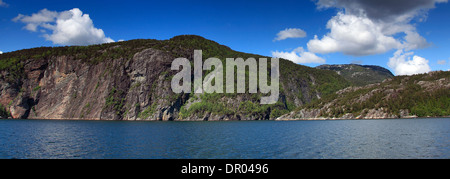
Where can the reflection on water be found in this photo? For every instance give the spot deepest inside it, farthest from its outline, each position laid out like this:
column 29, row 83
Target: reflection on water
column 412, row 138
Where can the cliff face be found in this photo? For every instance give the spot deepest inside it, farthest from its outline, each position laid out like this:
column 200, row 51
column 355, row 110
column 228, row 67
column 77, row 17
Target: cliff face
column 423, row 95
column 132, row 81
column 66, row 88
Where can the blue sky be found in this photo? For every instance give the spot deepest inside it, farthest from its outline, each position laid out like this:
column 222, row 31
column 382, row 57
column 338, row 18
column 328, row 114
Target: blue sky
column 250, row 26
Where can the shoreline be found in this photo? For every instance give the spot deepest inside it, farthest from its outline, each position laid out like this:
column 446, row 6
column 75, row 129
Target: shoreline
column 306, row 119
column 336, row 119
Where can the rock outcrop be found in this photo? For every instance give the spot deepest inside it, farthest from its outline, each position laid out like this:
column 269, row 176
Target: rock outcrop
column 63, row 87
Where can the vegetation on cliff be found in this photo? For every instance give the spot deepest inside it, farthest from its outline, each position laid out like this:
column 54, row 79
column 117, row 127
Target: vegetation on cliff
column 3, row 112
column 130, row 80
column 422, row 95
column 299, row 84
column 360, row 75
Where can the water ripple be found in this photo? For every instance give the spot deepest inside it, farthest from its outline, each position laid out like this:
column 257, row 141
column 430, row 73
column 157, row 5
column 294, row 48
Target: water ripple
column 418, row 138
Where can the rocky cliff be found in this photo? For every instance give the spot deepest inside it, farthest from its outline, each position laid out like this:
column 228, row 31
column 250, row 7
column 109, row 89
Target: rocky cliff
column 63, row 87
column 131, row 81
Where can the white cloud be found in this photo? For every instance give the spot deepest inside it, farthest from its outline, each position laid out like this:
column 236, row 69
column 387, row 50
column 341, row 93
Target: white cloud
column 290, row 33
column 3, row 4
column 441, row 62
column 353, row 35
column 299, row 56
column 357, row 62
column 70, row 27
column 415, row 41
column 368, row 27
column 37, row 19
column 402, row 64
column 1, row 52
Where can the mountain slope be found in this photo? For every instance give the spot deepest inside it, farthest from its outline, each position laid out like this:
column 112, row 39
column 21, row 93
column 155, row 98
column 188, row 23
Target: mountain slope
column 360, row 75
column 423, row 95
column 131, row 80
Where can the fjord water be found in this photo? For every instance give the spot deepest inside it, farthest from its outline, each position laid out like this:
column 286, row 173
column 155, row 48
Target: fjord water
column 405, row 138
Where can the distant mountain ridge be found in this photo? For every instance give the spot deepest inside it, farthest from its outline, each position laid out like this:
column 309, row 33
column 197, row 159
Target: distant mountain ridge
column 360, row 75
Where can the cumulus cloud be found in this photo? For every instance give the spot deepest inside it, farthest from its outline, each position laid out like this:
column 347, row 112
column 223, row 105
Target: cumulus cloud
column 1, row 52
column 402, row 64
column 42, row 18
column 368, row 27
column 290, row 33
column 414, row 41
column 3, row 4
column 299, row 56
column 353, row 35
column 70, row 27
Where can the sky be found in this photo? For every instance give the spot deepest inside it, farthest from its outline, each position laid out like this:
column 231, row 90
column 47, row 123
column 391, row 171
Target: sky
column 406, row 36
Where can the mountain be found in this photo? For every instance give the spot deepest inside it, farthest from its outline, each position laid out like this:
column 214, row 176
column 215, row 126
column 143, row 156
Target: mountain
column 423, row 95
column 131, row 80
column 360, row 75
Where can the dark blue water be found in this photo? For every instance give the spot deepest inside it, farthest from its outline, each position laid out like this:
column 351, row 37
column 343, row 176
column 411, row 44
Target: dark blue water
column 412, row 138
